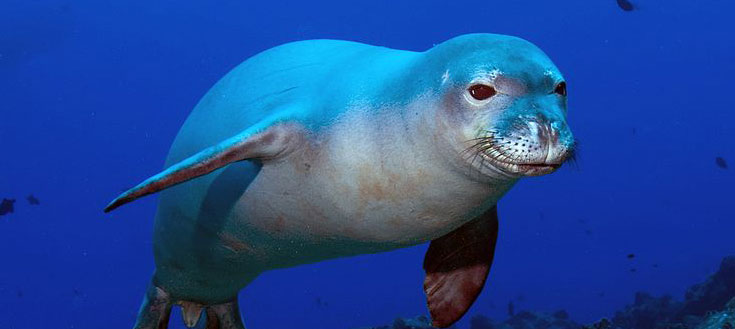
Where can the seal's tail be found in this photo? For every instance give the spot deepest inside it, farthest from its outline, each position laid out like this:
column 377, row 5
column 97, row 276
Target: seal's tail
column 156, row 309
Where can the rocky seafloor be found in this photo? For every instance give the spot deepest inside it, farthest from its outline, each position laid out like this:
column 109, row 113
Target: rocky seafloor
column 707, row 305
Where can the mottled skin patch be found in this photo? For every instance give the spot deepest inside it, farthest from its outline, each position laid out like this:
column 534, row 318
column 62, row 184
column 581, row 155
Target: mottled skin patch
column 234, row 244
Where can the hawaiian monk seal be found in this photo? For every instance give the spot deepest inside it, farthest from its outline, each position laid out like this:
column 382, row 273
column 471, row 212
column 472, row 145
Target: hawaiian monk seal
column 321, row 149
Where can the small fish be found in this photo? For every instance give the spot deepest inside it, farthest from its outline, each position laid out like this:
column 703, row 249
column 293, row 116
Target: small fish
column 33, row 200
column 631, row 256
column 625, row 5
column 321, row 302
column 633, row 270
column 6, row 207
column 720, row 161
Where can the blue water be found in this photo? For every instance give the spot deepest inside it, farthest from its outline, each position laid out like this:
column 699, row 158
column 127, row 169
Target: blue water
column 92, row 94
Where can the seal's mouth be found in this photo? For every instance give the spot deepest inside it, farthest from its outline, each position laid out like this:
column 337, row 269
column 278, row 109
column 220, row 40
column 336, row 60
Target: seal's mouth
column 520, row 168
column 518, row 156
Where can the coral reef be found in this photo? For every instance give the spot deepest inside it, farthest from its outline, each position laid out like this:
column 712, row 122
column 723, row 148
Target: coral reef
column 419, row 322
column 521, row 320
column 707, row 305
column 721, row 320
column 648, row 312
column 528, row 320
column 713, row 293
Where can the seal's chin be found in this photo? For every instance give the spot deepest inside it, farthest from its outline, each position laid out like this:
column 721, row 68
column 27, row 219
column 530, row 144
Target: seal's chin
column 521, row 169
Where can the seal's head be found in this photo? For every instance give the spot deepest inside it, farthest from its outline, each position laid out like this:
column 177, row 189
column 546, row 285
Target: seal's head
column 505, row 103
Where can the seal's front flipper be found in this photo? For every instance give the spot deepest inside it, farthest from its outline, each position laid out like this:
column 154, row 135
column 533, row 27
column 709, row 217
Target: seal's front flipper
column 456, row 267
column 264, row 141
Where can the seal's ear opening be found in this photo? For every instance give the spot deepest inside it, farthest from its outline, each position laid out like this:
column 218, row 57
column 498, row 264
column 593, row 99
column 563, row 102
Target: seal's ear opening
column 456, row 268
column 253, row 143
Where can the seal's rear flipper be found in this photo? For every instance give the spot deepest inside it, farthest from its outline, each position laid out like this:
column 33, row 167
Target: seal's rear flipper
column 263, row 141
column 224, row 316
column 456, row 267
column 156, row 310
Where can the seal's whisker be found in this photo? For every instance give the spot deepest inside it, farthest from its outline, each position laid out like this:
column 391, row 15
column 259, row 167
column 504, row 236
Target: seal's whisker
column 572, row 154
column 475, row 145
column 474, row 139
column 477, row 153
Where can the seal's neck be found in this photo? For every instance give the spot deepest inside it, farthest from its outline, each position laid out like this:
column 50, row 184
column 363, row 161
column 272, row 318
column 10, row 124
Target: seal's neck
column 395, row 177
column 437, row 132
column 431, row 142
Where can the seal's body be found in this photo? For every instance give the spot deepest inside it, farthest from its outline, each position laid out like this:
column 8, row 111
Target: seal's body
column 321, row 149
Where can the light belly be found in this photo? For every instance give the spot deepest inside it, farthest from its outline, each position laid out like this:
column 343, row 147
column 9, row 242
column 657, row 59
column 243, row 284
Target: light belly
column 215, row 235
column 304, row 210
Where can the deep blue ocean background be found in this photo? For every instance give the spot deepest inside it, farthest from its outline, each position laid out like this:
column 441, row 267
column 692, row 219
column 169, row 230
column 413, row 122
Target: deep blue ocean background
column 93, row 92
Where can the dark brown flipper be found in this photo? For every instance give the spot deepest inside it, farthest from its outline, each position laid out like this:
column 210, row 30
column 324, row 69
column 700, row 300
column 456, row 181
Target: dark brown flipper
column 155, row 311
column 224, row 316
column 255, row 143
column 456, row 267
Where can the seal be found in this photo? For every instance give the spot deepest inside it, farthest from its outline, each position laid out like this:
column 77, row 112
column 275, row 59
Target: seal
column 320, row 149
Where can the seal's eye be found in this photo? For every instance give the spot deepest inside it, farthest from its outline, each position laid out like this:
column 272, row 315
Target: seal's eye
column 481, row 92
column 561, row 88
